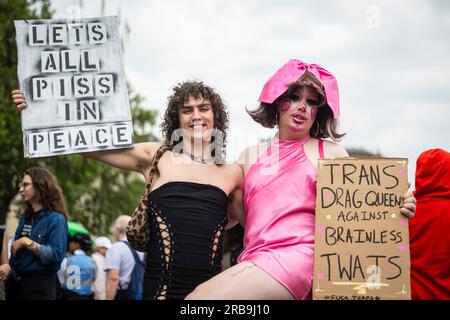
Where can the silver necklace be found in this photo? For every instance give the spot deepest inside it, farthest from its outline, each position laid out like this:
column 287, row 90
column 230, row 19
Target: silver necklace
column 197, row 159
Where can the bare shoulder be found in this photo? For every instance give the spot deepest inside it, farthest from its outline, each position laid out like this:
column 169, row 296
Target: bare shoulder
column 150, row 147
column 146, row 150
column 334, row 150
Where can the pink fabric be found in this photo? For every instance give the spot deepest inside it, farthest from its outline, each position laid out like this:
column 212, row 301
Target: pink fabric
column 321, row 154
column 291, row 72
column 280, row 196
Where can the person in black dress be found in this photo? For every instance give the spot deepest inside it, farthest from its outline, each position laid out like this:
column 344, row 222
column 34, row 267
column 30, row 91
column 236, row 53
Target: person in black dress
column 195, row 194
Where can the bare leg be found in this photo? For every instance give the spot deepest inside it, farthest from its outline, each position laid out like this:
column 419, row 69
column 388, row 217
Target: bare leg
column 244, row 281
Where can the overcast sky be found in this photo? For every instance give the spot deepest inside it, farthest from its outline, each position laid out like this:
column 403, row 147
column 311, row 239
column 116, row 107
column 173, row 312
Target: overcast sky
column 391, row 60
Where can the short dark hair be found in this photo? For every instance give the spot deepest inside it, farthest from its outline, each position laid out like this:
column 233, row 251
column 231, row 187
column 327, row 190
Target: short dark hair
column 84, row 240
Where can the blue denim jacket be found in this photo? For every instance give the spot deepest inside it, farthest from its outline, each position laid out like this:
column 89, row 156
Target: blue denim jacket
column 50, row 231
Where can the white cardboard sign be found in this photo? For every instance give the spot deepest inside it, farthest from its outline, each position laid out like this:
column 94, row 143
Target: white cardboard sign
column 71, row 73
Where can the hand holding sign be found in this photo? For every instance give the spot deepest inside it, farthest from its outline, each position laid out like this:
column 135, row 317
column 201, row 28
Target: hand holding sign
column 72, row 78
column 19, row 100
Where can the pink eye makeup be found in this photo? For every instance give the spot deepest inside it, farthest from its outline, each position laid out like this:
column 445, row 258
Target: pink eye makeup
column 285, row 106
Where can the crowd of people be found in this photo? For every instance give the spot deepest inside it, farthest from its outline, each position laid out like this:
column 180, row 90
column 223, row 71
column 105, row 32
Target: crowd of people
column 50, row 257
column 192, row 198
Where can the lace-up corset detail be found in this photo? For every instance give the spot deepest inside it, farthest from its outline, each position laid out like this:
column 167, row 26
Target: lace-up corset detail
column 187, row 222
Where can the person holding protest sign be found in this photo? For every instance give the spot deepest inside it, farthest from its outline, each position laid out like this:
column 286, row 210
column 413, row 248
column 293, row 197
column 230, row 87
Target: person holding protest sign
column 191, row 190
column 280, row 188
column 40, row 240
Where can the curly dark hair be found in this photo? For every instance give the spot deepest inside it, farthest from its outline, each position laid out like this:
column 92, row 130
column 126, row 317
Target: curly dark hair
column 324, row 125
column 181, row 94
column 48, row 192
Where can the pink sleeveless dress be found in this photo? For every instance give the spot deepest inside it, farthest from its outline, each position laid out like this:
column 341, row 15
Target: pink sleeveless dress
column 280, row 197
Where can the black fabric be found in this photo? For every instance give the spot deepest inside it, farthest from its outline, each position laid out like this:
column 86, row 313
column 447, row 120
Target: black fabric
column 122, row 294
column 2, row 232
column 33, row 286
column 29, row 221
column 194, row 216
column 70, row 295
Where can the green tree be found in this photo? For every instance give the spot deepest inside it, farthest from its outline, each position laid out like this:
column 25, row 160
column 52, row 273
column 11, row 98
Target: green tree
column 96, row 193
column 11, row 155
column 360, row 152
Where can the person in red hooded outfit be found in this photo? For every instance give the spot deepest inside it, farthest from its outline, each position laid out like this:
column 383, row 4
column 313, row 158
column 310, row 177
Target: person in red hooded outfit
column 429, row 229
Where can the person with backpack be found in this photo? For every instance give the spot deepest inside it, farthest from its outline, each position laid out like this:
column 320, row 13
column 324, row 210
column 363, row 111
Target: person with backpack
column 124, row 266
column 136, row 284
column 78, row 270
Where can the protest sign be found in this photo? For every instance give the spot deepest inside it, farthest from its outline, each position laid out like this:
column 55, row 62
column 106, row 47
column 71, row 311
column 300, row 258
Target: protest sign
column 71, row 74
column 361, row 238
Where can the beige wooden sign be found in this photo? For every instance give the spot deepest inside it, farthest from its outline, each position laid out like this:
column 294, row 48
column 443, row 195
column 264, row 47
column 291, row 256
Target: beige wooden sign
column 361, row 238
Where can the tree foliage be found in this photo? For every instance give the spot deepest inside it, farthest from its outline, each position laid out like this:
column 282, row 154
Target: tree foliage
column 361, row 152
column 11, row 155
column 96, row 193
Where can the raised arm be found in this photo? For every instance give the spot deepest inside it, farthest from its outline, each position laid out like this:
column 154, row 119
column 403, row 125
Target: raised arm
column 136, row 159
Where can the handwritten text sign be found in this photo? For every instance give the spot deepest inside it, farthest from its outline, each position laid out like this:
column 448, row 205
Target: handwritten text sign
column 361, row 238
column 71, row 74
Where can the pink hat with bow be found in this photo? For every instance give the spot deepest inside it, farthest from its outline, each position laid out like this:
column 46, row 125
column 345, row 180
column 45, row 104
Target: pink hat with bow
column 291, row 72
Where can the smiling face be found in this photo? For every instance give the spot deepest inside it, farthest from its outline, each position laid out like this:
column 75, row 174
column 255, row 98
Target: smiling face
column 195, row 115
column 298, row 112
column 196, row 118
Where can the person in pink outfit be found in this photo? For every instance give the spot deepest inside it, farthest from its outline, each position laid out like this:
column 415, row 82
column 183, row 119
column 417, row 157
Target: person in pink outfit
column 279, row 189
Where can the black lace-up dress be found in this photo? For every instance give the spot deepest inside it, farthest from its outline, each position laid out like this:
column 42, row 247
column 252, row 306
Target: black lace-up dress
column 187, row 222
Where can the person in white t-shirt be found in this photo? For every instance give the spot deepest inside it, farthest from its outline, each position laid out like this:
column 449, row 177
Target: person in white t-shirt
column 119, row 262
column 102, row 244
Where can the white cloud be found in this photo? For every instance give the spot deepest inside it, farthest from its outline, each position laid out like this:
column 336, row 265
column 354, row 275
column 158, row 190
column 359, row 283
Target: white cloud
column 393, row 80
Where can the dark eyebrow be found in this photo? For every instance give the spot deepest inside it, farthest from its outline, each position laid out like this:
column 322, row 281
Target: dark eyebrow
column 200, row 105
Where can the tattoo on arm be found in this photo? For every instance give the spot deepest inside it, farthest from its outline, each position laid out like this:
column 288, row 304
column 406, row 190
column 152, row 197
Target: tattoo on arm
column 245, row 268
column 36, row 249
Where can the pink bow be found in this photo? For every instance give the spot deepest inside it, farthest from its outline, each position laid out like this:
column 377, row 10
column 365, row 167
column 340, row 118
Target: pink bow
column 291, row 72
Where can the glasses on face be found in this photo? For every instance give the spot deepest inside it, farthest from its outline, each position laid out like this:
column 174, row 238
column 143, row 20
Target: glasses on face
column 24, row 184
